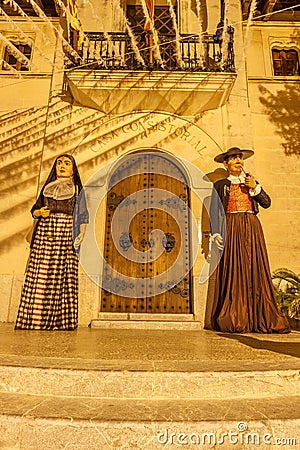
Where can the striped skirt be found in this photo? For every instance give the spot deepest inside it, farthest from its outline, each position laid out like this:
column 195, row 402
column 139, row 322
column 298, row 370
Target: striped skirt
column 49, row 299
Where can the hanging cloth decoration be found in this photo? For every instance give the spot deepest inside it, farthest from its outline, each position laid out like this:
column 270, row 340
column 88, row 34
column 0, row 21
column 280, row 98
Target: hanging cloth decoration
column 151, row 38
column 22, row 37
column 177, row 40
column 149, row 23
column 75, row 23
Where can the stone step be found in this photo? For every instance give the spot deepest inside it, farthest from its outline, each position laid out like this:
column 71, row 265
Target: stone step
column 144, row 364
column 139, row 389
column 149, row 383
column 45, row 422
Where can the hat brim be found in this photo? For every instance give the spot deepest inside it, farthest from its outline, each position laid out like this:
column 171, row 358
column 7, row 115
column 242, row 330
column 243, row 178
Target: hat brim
column 222, row 156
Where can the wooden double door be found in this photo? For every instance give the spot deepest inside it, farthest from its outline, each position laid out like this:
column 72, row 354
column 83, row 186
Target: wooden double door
column 147, row 237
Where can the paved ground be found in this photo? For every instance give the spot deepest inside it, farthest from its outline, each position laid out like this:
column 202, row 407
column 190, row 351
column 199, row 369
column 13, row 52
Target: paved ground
column 139, row 387
column 144, row 349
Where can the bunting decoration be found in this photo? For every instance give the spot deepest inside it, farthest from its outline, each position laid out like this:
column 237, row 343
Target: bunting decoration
column 7, row 66
column 40, row 13
column 17, row 54
column 225, row 37
column 177, row 40
column 26, row 39
column 200, row 35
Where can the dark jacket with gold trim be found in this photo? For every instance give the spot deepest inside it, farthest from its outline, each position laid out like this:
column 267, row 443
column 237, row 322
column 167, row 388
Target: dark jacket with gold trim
column 219, row 203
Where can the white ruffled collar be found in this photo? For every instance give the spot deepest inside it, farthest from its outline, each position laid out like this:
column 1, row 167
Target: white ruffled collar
column 236, row 180
column 60, row 189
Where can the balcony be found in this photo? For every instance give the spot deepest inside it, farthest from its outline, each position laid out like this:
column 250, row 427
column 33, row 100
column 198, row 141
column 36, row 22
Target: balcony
column 115, row 51
column 116, row 74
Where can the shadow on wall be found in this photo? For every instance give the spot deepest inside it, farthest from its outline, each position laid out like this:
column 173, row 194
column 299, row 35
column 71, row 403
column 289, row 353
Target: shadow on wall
column 22, row 134
column 203, row 11
column 283, row 109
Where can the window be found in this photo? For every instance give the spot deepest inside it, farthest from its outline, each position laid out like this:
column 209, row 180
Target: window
column 285, row 62
column 282, row 4
column 164, row 27
column 12, row 60
column 163, row 21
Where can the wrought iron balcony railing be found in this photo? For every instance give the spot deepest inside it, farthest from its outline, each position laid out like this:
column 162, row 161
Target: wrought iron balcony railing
column 116, row 51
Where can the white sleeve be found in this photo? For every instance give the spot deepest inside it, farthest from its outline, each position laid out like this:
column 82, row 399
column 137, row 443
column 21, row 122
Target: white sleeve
column 255, row 191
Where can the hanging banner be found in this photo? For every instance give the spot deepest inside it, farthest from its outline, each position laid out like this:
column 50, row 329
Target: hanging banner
column 150, row 8
column 75, row 23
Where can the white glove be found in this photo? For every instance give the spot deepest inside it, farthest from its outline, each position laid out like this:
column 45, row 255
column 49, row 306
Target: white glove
column 78, row 240
column 218, row 241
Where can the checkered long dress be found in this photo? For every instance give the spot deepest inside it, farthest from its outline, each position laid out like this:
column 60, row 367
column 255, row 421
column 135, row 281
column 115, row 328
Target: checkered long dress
column 49, row 299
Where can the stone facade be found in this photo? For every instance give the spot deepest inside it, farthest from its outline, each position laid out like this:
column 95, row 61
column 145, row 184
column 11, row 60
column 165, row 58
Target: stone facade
column 258, row 110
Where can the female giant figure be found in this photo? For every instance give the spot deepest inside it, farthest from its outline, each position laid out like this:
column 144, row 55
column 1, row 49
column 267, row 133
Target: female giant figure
column 49, row 299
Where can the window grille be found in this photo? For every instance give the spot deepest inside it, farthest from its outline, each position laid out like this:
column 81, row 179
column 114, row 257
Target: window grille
column 285, row 62
column 162, row 20
column 164, row 27
column 13, row 61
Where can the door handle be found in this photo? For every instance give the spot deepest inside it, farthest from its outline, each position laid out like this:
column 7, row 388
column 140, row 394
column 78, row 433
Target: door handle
column 125, row 241
column 168, row 242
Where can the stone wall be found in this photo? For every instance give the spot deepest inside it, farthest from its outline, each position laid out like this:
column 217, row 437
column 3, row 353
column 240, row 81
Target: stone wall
column 261, row 113
column 275, row 105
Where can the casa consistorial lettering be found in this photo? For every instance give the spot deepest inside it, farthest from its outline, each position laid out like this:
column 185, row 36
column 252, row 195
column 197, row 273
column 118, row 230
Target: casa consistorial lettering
column 145, row 127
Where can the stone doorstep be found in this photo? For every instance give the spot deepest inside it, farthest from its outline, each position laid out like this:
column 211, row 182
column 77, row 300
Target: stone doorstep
column 144, row 410
column 146, row 324
column 54, row 423
column 153, row 365
column 149, row 384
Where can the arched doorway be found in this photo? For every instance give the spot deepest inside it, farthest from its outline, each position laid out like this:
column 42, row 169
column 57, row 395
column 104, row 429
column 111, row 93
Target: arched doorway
column 147, row 234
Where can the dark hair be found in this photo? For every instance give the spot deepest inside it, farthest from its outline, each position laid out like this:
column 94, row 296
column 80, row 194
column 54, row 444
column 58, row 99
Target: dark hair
column 76, row 177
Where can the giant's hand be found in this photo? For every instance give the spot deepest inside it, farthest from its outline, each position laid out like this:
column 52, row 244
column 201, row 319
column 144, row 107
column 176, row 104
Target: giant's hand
column 44, row 212
column 218, row 241
column 250, row 181
column 78, row 240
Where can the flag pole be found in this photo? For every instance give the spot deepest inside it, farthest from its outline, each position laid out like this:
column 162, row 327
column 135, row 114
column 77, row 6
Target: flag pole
column 149, row 43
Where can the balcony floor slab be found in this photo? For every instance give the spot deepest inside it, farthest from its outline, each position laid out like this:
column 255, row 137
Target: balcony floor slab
column 120, row 91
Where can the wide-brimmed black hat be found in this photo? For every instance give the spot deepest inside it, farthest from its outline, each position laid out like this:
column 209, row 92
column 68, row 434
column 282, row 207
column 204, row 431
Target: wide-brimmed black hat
column 233, row 151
